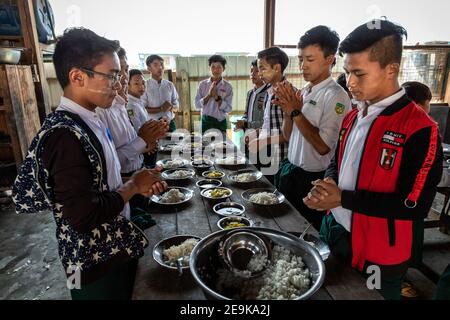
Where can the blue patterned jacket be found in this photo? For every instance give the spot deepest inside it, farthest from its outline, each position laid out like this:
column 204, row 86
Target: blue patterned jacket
column 32, row 193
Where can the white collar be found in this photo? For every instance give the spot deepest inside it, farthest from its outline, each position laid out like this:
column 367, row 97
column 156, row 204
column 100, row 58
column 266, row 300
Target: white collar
column 132, row 98
column 155, row 82
column 319, row 86
column 383, row 104
column 69, row 105
column 220, row 82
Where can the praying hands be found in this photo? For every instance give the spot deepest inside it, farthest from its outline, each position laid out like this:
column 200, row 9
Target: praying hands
column 287, row 97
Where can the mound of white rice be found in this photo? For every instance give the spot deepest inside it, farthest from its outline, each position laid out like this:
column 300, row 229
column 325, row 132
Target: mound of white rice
column 246, row 177
column 264, row 198
column 286, row 278
column 179, row 174
column 181, row 251
column 173, row 164
column 172, row 196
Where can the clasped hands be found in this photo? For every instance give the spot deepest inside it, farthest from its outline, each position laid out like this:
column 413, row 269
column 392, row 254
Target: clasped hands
column 325, row 195
column 287, row 97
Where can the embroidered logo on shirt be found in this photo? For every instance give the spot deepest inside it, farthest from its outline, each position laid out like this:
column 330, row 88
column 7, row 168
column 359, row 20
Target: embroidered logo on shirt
column 314, row 103
column 394, row 138
column 340, row 109
column 388, row 157
column 130, row 112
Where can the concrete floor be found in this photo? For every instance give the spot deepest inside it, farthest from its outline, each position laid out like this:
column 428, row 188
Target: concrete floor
column 29, row 264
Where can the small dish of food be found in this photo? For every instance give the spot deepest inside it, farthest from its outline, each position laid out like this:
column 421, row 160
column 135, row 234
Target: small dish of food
column 263, row 197
column 234, row 222
column 231, row 161
column 174, row 253
column 178, row 174
column 219, row 193
column 213, row 174
column 208, row 183
column 168, row 164
column 173, row 196
column 227, row 209
column 245, row 176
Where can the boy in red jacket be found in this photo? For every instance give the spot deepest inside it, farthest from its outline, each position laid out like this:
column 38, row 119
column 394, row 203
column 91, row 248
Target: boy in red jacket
column 387, row 164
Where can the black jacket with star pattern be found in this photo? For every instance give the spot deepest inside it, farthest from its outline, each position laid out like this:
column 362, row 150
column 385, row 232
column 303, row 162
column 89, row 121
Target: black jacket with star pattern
column 65, row 172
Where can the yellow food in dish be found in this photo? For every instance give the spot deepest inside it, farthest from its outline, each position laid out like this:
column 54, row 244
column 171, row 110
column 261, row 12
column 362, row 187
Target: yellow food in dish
column 234, row 224
column 215, row 174
column 219, row 193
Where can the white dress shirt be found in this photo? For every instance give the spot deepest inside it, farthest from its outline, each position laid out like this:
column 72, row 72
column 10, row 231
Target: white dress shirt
column 137, row 112
column 129, row 146
column 212, row 109
column 325, row 106
column 348, row 174
column 156, row 94
column 100, row 130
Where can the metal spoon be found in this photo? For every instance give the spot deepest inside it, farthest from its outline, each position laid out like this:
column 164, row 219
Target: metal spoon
column 302, row 236
column 179, row 266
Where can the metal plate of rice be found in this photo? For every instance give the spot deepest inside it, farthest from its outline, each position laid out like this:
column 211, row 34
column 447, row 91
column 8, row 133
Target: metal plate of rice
column 171, row 197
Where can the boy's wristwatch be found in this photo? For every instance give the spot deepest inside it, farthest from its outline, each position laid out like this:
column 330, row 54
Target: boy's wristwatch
column 295, row 113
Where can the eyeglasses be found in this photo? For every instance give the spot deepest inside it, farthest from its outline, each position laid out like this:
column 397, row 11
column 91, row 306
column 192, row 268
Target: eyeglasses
column 115, row 78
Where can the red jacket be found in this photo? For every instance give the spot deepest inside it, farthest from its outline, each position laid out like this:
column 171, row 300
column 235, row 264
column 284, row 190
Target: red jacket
column 400, row 168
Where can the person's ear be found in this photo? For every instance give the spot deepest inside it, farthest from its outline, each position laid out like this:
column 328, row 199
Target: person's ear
column 277, row 68
column 393, row 70
column 331, row 59
column 77, row 77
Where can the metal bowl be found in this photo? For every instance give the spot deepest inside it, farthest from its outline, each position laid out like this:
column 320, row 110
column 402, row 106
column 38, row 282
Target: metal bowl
column 205, row 261
column 231, row 161
column 238, row 248
column 222, row 223
column 188, row 195
column 316, row 243
column 163, row 163
column 202, row 165
column 206, row 173
column 169, row 147
column 247, row 194
column 234, row 176
column 166, row 175
column 207, row 193
column 158, row 250
column 227, row 209
column 10, row 55
column 208, row 183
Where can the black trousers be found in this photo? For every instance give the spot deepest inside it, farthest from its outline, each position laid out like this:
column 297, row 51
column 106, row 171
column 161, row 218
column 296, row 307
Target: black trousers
column 295, row 184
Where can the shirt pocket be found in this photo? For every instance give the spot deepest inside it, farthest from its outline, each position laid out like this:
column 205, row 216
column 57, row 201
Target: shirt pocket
column 313, row 113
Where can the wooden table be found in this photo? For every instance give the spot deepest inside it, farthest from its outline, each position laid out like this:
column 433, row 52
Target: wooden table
column 197, row 218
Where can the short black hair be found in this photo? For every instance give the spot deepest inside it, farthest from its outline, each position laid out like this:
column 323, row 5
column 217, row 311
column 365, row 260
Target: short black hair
column 152, row 58
column 324, row 37
column 342, row 81
column 417, row 92
column 217, row 58
column 122, row 53
column 254, row 63
column 80, row 48
column 135, row 72
column 383, row 38
column 274, row 55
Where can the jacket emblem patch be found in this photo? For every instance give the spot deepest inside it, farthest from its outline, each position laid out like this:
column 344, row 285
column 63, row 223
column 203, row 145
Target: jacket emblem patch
column 388, row 157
